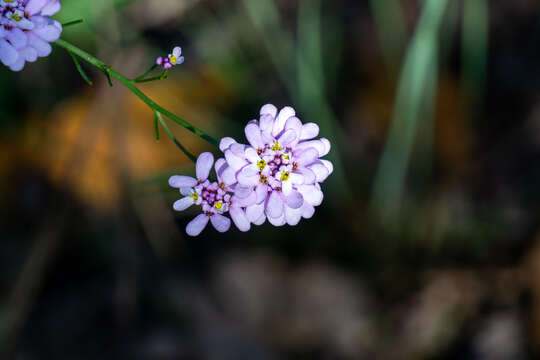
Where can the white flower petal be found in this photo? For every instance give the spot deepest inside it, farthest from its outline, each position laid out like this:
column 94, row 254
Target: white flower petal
column 293, row 216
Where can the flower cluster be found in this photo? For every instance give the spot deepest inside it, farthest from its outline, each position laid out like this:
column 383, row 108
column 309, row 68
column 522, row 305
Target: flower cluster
column 276, row 177
column 173, row 59
column 26, row 30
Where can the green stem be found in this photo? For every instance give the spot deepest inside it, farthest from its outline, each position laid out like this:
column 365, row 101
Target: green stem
column 80, row 69
column 146, row 73
column 166, row 128
column 74, row 22
column 130, row 84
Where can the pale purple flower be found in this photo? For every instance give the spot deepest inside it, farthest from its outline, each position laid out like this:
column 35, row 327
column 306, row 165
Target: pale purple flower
column 282, row 166
column 215, row 198
column 173, row 59
column 26, row 30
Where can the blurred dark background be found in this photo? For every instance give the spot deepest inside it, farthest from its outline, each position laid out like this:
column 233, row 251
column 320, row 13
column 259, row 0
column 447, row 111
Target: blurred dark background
column 427, row 245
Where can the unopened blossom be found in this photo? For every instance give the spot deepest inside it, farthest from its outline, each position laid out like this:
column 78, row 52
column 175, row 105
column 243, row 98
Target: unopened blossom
column 26, row 30
column 215, row 198
column 173, row 59
column 282, row 165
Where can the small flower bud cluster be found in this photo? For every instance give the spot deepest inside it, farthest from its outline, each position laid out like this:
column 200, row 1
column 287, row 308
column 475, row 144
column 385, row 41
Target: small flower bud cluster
column 173, row 59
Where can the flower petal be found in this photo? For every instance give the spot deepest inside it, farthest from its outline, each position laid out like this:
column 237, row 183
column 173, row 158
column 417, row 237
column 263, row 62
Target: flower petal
column 251, row 155
column 246, row 179
column 17, row 38
column 8, row 54
column 293, row 216
column 49, row 32
column 307, row 210
column 274, row 205
column 260, row 220
column 253, row 135
column 307, row 157
column 204, row 165
column 239, row 218
column 294, row 199
column 34, row 6
column 177, row 51
column 309, row 131
column 234, row 161
column 311, row 194
column 268, row 109
column 321, row 172
column 288, row 137
column 327, row 146
column 279, row 221
column 329, row 166
column 295, row 124
column 220, row 222
column 243, row 202
column 243, row 191
column 183, row 203
column 309, row 176
column 197, row 225
column 225, row 143
column 30, row 54
column 254, row 212
column 17, row 65
column 266, row 124
column 51, row 8
column 182, row 181
column 282, row 117
column 228, row 176
column 42, row 47
column 262, row 192
column 315, row 144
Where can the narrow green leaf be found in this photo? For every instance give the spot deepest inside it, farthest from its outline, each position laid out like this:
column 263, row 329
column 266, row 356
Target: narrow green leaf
column 156, row 126
column 71, row 23
column 166, row 128
column 80, row 69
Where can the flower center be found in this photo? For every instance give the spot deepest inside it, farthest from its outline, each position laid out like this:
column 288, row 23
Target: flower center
column 261, row 164
column 218, row 205
column 173, row 59
column 16, row 17
column 194, row 196
column 285, row 176
column 263, row 179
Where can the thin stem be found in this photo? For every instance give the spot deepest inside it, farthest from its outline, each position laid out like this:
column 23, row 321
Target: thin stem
column 74, row 22
column 130, row 84
column 162, row 76
column 137, row 79
column 80, row 69
column 166, row 128
column 156, row 125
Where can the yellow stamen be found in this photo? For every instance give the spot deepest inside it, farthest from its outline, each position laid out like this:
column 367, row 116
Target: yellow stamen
column 218, row 205
column 16, row 17
column 173, row 59
column 194, row 196
column 286, row 157
column 261, row 164
column 263, row 179
column 276, row 146
column 285, row 176
column 294, row 165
